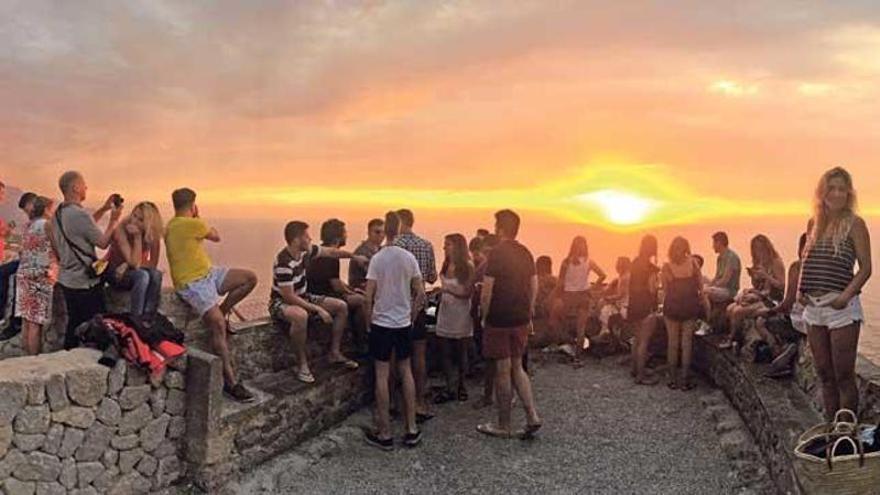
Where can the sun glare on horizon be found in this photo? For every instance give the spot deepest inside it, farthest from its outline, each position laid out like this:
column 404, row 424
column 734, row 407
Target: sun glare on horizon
column 620, row 208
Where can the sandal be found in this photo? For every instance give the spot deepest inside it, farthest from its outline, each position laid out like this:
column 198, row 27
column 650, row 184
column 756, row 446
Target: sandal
column 493, row 431
column 530, row 430
column 444, row 397
column 346, row 363
column 305, row 376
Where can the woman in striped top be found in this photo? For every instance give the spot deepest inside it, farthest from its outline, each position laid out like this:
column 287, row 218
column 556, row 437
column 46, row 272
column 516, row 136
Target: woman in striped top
column 829, row 288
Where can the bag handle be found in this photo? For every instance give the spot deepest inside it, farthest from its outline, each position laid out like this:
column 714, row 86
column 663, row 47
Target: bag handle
column 852, row 415
column 831, row 450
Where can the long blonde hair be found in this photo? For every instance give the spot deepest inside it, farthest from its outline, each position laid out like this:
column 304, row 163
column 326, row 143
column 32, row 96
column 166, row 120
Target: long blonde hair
column 763, row 252
column 152, row 219
column 838, row 228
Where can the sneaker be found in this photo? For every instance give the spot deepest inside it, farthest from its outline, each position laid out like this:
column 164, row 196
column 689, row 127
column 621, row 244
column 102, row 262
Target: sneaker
column 373, row 440
column 239, row 393
column 704, row 329
column 412, row 439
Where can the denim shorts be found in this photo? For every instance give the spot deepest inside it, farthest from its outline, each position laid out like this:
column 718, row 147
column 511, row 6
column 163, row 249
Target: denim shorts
column 819, row 313
column 204, row 293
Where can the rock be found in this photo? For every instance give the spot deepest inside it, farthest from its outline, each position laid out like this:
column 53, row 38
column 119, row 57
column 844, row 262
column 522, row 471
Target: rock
column 96, row 441
column 175, row 403
column 103, row 482
column 175, row 380
column 79, row 417
column 56, row 391
column 131, row 483
column 5, row 439
column 157, row 401
column 128, row 460
column 8, row 464
column 28, row 443
column 154, row 433
column 53, row 488
column 38, row 466
column 168, row 472
column 68, row 473
column 135, row 377
column 36, row 393
column 88, row 472
column 14, row 398
column 14, row 487
column 167, row 448
column 110, row 458
column 33, row 420
column 53, row 439
column 177, row 427
column 116, row 378
column 87, row 386
column 85, row 491
column 126, row 442
column 109, row 412
column 73, row 438
column 133, row 421
column 132, row 397
column 147, row 466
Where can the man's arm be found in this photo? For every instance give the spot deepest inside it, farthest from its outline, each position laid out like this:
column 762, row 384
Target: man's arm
column 419, row 297
column 369, row 294
column 289, row 296
column 103, row 242
column 431, row 269
column 107, row 206
column 533, row 295
column 486, row 297
column 331, row 252
column 212, row 235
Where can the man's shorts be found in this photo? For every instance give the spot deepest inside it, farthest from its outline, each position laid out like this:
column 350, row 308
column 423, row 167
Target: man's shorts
column 420, row 327
column 204, row 293
column 277, row 307
column 385, row 342
column 819, row 313
column 719, row 294
column 502, row 343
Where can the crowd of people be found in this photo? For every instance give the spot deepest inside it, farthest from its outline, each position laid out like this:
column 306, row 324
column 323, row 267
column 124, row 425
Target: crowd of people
column 491, row 290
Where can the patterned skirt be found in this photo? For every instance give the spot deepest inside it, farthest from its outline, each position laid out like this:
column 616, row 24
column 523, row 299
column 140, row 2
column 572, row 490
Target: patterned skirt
column 33, row 299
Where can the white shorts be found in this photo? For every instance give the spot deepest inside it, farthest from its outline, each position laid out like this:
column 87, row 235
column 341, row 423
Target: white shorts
column 819, row 313
column 204, row 293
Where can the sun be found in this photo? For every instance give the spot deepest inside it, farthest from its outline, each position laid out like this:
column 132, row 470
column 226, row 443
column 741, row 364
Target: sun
column 620, row 208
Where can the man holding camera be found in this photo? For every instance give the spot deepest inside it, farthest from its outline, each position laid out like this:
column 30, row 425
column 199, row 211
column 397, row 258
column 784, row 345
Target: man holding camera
column 75, row 235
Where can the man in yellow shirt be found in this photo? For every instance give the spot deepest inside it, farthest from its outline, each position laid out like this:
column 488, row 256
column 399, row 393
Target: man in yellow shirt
column 202, row 285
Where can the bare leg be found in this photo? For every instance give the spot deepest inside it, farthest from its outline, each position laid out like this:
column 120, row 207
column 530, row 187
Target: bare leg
column 33, row 337
column 420, row 374
column 687, row 350
column 298, row 319
column 844, row 349
column 820, row 346
column 404, row 367
column 339, row 310
column 216, row 323
column 523, row 386
column 673, row 347
column 583, row 315
column 446, row 351
column 383, row 418
column 645, row 330
column 237, row 285
column 463, row 365
column 503, row 393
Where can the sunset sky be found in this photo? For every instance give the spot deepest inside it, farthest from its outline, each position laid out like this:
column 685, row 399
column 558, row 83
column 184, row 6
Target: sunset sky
column 611, row 113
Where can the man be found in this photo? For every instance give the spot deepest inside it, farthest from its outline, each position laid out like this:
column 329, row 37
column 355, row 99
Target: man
column 508, row 300
column 323, row 277
column 357, row 274
column 8, row 270
column 724, row 287
column 395, row 294
column 424, row 254
column 292, row 301
column 75, row 235
column 202, row 285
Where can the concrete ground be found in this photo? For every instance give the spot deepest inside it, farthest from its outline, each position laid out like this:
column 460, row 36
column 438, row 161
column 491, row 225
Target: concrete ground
column 601, row 435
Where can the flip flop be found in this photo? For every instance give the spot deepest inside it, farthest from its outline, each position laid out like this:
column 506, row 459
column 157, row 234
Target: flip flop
column 530, row 430
column 305, row 376
column 491, row 430
column 346, row 363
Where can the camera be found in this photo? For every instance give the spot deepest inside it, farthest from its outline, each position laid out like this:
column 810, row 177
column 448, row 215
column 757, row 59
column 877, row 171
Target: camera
column 117, row 200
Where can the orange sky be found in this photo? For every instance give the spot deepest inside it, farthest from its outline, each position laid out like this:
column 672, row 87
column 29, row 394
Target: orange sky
column 741, row 103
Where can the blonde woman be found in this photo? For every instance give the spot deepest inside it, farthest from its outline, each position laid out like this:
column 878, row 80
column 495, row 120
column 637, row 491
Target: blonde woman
column 682, row 306
column 829, row 287
column 134, row 256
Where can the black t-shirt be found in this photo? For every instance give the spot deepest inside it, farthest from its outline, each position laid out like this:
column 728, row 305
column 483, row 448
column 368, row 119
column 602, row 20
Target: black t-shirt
column 319, row 273
column 512, row 267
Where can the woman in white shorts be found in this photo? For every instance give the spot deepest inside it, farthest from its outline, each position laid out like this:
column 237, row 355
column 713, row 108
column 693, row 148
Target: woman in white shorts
column 829, row 288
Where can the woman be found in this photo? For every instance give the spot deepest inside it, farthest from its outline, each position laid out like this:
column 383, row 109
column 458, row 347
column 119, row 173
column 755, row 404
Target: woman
column 546, row 287
column 830, row 289
column 36, row 276
column 682, row 306
column 134, row 256
column 643, row 288
column 455, row 325
column 768, row 286
column 573, row 292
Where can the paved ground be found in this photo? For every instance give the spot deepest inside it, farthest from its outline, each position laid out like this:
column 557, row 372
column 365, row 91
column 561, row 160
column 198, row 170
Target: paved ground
column 601, row 435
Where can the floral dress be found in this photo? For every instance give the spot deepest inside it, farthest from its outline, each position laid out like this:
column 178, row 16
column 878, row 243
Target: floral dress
column 37, row 274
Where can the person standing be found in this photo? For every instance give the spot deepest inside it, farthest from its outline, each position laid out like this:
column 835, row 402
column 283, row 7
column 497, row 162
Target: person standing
column 357, row 273
column 395, row 294
column 76, row 235
column 508, row 302
column 133, row 259
column 36, row 276
column 423, row 250
column 642, row 310
column 682, row 307
column 7, row 271
column 830, row 287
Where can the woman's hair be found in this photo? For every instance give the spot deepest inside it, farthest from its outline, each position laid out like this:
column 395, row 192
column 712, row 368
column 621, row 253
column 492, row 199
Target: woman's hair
column 41, row 206
column 648, row 247
column 623, row 264
column 544, row 265
column 153, row 229
column 578, row 250
column 460, row 256
column 763, row 252
column 679, row 250
column 822, row 225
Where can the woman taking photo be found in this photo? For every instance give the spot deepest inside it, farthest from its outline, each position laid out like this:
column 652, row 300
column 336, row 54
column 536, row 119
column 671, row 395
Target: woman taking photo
column 134, row 256
column 682, row 307
column 36, row 276
column 455, row 326
column 573, row 292
column 829, row 287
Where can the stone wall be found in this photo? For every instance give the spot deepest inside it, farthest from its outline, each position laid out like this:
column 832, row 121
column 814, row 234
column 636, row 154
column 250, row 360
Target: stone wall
column 70, row 425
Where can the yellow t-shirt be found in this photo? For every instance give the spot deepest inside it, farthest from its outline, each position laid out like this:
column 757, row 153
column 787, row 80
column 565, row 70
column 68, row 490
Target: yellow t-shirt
column 186, row 255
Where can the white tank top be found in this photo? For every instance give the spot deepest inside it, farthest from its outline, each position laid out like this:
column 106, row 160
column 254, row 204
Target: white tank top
column 577, row 277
